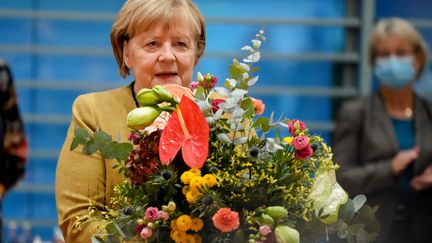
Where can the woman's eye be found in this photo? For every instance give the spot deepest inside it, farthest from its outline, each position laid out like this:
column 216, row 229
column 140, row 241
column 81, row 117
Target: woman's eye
column 182, row 44
column 151, row 44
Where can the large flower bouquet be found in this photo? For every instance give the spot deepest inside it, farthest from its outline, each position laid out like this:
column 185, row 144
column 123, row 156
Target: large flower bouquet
column 202, row 168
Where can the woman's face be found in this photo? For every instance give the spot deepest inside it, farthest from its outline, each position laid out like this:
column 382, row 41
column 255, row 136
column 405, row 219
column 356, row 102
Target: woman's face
column 161, row 55
column 398, row 47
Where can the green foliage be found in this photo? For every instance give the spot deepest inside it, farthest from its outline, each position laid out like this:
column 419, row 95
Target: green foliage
column 102, row 142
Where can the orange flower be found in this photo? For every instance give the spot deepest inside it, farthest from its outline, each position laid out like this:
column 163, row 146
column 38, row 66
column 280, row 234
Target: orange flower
column 258, row 105
column 226, row 220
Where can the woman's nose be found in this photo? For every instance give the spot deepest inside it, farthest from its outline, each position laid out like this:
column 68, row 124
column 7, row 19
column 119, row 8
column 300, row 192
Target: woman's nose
column 167, row 54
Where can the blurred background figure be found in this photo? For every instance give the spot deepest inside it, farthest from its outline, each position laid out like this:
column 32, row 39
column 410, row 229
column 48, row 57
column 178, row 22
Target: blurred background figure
column 13, row 143
column 382, row 141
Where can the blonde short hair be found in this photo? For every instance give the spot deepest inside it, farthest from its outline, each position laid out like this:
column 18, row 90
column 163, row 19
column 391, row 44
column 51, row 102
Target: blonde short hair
column 140, row 15
column 401, row 28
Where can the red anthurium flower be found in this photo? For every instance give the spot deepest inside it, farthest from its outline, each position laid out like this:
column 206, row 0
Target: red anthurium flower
column 187, row 129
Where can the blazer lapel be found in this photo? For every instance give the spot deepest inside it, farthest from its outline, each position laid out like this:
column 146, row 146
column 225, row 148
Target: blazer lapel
column 422, row 133
column 384, row 123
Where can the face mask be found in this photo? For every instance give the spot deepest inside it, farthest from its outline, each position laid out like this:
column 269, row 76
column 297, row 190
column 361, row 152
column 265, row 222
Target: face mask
column 395, row 72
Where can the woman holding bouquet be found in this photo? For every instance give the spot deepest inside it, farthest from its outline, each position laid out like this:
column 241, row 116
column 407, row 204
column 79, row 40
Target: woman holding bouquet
column 157, row 41
column 382, row 142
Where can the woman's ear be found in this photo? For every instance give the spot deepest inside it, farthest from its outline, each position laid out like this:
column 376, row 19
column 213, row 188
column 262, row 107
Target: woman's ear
column 126, row 54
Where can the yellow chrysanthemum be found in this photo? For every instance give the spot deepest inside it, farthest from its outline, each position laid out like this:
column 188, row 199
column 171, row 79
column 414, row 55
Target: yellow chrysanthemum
column 196, row 183
column 196, row 172
column 178, row 236
column 192, row 196
column 210, row 180
column 186, row 177
column 174, row 225
column 189, row 239
column 184, row 222
column 197, row 224
column 185, row 190
column 288, row 140
column 198, row 238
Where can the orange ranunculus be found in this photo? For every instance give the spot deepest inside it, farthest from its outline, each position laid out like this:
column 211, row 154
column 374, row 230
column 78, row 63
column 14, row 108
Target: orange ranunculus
column 226, row 220
column 258, row 105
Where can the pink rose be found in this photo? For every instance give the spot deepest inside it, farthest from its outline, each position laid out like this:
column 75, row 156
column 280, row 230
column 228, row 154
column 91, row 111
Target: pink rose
column 300, row 142
column 151, row 214
column 146, row 233
column 216, row 103
column 163, row 215
column 291, row 127
column 304, row 153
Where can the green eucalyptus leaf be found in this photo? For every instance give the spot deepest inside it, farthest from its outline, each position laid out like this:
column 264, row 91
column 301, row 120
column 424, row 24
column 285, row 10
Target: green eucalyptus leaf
column 74, row 144
column 109, row 150
column 97, row 239
column 347, row 212
column 240, row 140
column 81, row 133
column 358, row 202
column 101, row 138
column 89, row 148
column 122, row 150
column 252, row 81
column 224, row 138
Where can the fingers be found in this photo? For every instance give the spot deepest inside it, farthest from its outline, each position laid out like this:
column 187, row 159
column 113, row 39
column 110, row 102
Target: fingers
column 423, row 181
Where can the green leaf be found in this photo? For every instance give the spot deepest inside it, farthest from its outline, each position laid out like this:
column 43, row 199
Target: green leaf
column 74, row 144
column 224, row 138
column 358, row 202
column 81, row 133
column 89, row 148
column 263, row 123
column 101, row 138
column 347, row 212
column 123, row 150
column 114, row 229
column 80, row 137
column 109, row 151
column 97, row 239
column 247, row 106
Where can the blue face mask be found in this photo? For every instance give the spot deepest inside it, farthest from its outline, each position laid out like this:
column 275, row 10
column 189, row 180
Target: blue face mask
column 395, row 72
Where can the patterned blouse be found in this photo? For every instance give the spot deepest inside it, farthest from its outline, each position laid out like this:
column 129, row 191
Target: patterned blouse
column 13, row 143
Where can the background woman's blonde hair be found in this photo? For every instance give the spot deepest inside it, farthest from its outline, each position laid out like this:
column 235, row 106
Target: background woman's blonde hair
column 402, row 28
column 140, row 15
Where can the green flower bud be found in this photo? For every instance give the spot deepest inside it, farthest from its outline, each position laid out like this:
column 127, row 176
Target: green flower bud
column 266, row 219
column 286, row 234
column 147, row 97
column 163, row 93
column 200, row 77
column 140, row 118
column 276, row 212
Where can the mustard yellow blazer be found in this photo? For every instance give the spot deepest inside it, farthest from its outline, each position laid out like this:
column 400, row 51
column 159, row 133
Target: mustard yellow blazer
column 80, row 178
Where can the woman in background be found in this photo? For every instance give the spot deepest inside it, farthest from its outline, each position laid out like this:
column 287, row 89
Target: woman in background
column 383, row 142
column 13, row 143
column 160, row 42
